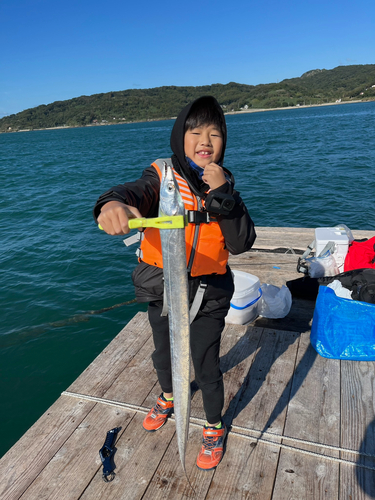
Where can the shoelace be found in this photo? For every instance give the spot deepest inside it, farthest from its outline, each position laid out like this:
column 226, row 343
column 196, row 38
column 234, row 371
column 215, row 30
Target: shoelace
column 159, row 409
column 209, row 442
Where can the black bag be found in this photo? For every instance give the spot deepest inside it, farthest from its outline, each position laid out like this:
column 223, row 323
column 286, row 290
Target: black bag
column 360, row 281
column 304, row 288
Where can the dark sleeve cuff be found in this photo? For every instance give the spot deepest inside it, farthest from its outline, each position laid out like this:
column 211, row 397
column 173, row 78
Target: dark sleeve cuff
column 224, row 188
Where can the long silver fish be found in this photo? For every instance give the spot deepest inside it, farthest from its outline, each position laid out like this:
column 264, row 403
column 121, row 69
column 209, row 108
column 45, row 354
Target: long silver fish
column 176, row 287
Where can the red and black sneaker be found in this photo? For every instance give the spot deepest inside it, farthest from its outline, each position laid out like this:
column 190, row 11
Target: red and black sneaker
column 212, row 447
column 158, row 415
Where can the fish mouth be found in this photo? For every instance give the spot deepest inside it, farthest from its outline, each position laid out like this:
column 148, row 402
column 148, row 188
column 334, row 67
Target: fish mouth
column 168, row 173
column 165, row 173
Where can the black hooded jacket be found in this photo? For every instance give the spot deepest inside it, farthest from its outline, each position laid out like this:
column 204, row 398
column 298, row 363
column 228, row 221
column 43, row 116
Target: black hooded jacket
column 237, row 227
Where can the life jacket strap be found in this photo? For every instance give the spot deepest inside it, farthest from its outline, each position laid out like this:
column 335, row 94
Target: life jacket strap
column 198, row 299
column 195, row 306
column 135, row 238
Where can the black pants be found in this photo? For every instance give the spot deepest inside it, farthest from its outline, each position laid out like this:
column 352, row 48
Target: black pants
column 205, row 335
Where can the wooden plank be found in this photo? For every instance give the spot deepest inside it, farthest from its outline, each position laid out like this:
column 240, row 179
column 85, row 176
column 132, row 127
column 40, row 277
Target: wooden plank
column 169, row 481
column 299, row 318
column 359, row 234
column 302, row 476
column 275, row 269
column 293, row 237
column 135, row 382
column 315, row 397
column 246, row 471
column 263, row 400
column 138, row 455
column 238, row 352
column 75, row 464
column 313, row 415
column 243, row 472
column 261, row 405
column 27, row 458
column 105, row 369
column 357, row 428
column 283, row 237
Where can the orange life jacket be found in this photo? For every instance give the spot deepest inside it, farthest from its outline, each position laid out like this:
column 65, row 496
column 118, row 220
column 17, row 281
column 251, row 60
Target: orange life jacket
column 205, row 245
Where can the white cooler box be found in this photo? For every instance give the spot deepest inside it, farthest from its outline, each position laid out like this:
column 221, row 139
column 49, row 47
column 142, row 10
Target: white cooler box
column 245, row 300
column 339, row 236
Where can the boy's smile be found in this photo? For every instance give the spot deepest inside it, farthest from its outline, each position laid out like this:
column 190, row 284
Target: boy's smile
column 203, row 145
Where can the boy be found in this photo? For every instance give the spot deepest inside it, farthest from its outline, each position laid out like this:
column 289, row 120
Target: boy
column 218, row 224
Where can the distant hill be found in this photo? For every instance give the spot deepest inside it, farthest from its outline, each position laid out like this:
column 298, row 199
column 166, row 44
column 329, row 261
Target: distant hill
column 313, row 87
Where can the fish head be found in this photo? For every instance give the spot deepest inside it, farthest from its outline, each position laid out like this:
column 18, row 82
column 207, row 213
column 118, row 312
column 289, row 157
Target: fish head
column 171, row 202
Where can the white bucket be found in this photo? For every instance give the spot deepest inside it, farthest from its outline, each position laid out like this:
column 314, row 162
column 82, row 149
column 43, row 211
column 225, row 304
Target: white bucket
column 245, row 300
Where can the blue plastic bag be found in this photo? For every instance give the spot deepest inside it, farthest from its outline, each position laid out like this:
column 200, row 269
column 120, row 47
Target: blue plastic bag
column 343, row 328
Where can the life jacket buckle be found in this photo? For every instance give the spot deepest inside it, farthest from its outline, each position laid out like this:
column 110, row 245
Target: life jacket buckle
column 135, row 238
column 196, row 217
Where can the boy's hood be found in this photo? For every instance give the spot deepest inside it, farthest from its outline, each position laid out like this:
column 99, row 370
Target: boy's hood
column 177, row 145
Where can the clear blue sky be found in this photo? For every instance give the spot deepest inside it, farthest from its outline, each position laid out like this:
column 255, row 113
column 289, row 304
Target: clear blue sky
column 54, row 50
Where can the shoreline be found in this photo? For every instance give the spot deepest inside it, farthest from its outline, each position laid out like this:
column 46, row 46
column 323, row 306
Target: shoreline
column 242, row 111
column 303, row 106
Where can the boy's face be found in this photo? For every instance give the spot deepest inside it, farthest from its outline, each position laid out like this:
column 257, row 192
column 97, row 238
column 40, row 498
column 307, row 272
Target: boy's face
column 203, row 145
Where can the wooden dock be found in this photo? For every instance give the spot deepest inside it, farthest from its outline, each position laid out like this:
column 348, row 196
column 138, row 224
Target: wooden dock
column 302, row 426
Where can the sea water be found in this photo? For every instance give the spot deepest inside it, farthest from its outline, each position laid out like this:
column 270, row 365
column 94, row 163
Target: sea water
column 66, row 287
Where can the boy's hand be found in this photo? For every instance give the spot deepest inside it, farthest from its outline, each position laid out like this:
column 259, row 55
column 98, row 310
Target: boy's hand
column 114, row 219
column 213, row 175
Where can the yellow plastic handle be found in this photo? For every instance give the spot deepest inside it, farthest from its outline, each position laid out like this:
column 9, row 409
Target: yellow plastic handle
column 165, row 222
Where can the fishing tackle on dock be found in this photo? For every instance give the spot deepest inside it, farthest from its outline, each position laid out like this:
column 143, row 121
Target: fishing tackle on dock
column 106, row 454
